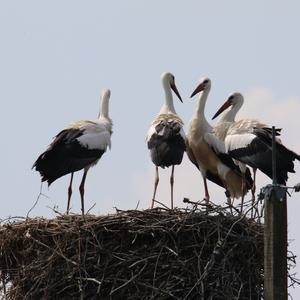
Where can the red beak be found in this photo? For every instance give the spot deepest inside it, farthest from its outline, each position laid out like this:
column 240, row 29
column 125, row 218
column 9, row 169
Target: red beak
column 174, row 88
column 222, row 108
column 198, row 89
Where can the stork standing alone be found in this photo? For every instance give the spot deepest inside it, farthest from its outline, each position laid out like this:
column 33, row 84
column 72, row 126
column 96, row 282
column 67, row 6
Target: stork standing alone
column 249, row 142
column 79, row 146
column 208, row 152
column 166, row 138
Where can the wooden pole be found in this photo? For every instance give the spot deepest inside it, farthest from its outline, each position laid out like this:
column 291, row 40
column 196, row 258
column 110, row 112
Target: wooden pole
column 274, row 165
column 275, row 239
column 275, row 249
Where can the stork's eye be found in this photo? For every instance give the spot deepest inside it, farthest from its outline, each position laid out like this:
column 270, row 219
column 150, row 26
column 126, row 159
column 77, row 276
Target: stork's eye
column 205, row 81
column 231, row 97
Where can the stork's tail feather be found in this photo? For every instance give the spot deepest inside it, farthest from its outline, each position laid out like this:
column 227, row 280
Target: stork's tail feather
column 167, row 145
column 46, row 166
column 59, row 161
column 285, row 165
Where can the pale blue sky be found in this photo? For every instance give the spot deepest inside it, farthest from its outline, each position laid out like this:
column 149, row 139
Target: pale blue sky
column 56, row 56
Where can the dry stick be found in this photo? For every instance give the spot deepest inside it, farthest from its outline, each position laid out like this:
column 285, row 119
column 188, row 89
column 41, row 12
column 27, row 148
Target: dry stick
column 79, row 266
column 56, row 211
column 166, row 207
column 141, row 260
column 4, row 286
column 91, row 279
column 36, row 201
column 54, row 250
column 155, row 268
column 158, row 290
column 211, row 262
column 131, row 279
column 137, row 205
column 91, row 208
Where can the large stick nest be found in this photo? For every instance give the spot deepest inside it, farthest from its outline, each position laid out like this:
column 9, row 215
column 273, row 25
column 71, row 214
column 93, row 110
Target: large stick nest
column 151, row 254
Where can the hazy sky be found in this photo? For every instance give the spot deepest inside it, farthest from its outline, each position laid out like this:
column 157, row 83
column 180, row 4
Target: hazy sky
column 56, row 56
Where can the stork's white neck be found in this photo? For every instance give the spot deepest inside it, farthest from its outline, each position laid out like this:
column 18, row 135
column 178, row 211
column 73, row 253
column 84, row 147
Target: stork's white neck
column 202, row 102
column 104, row 104
column 230, row 115
column 168, row 106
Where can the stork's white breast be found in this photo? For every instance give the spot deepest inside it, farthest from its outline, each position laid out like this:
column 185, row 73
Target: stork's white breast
column 95, row 136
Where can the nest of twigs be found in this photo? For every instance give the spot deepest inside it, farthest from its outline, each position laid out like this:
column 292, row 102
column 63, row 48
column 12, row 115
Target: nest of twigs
column 151, row 254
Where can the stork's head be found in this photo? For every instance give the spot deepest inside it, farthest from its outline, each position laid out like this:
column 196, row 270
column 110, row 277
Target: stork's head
column 104, row 99
column 234, row 99
column 168, row 80
column 204, row 84
column 105, row 94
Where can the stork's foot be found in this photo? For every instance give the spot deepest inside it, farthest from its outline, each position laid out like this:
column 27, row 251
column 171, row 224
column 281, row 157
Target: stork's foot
column 228, row 200
column 206, row 200
column 229, row 203
column 152, row 203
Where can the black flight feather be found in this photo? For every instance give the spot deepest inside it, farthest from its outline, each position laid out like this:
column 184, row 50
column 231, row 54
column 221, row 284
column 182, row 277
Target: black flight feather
column 258, row 154
column 65, row 155
column 166, row 145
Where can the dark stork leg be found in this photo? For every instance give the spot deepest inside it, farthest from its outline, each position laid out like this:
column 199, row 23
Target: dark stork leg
column 253, row 190
column 172, row 185
column 228, row 196
column 155, row 185
column 81, row 189
column 69, row 193
column 206, row 198
column 244, row 191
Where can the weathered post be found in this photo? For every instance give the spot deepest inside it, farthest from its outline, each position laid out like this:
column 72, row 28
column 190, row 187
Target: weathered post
column 275, row 237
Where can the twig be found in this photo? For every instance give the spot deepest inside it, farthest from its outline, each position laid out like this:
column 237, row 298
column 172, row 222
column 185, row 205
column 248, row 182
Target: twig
column 58, row 253
column 36, row 201
column 130, row 280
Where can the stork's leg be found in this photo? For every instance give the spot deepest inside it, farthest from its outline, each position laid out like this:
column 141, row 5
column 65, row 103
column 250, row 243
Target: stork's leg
column 244, row 191
column 155, row 185
column 253, row 190
column 81, row 190
column 228, row 195
column 172, row 185
column 69, row 193
column 206, row 198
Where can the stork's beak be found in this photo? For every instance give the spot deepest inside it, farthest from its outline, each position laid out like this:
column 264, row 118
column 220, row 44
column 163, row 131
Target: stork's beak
column 198, row 89
column 222, row 108
column 174, row 88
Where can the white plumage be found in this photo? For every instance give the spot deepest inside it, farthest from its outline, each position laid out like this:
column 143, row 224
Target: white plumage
column 236, row 141
column 165, row 137
column 250, row 142
column 207, row 151
column 96, row 134
column 78, row 146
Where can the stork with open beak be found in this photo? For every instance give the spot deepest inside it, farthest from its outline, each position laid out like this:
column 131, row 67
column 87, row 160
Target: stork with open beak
column 249, row 142
column 207, row 152
column 166, row 138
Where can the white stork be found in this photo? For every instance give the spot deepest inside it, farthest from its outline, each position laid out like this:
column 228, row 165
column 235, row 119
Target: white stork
column 166, row 138
column 249, row 142
column 79, row 146
column 207, row 152
column 220, row 130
